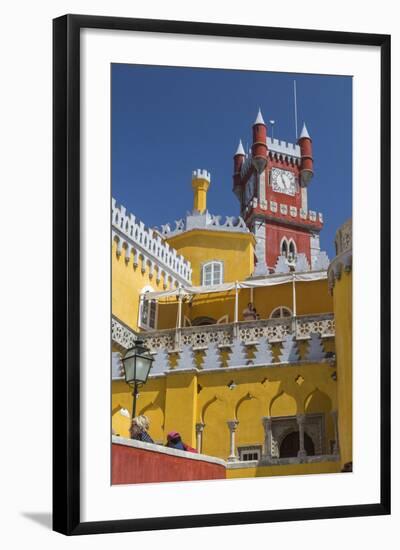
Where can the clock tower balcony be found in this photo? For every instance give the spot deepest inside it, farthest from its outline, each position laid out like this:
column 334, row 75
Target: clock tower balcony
column 283, row 214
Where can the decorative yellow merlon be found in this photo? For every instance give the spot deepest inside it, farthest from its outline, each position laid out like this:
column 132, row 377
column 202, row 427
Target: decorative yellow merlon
column 200, row 184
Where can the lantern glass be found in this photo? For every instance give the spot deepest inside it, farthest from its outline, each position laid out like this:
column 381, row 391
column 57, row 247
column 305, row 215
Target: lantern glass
column 129, row 367
column 143, row 365
column 137, row 363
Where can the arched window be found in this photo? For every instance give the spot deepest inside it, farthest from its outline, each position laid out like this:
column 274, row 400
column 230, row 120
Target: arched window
column 290, row 446
column 148, row 310
column 284, row 248
column 292, row 250
column 212, row 273
column 280, row 312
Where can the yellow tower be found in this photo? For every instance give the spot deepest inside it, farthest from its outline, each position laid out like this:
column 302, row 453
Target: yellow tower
column 200, row 184
column 340, row 283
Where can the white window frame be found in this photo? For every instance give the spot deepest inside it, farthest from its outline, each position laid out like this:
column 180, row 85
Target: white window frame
column 284, row 241
column 280, row 309
column 212, row 264
column 292, row 244
column 142, row 302
column 250, row 449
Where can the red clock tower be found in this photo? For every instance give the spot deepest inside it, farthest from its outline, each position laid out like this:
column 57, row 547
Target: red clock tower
column 271, row 182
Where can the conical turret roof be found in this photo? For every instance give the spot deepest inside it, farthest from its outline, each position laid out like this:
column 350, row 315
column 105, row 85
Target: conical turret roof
column 304, row 132
column 240, row 150
column 259, row 119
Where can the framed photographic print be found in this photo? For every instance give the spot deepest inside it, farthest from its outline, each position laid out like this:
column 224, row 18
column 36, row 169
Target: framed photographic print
column 215, row 336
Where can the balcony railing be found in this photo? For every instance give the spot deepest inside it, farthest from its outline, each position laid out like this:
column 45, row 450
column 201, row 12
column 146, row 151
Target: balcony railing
column 248, row 332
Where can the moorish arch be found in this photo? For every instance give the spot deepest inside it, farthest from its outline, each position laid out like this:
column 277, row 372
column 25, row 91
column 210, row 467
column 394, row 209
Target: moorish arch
column 317, row 402
column 214, row 416
column 248, row 413
column 283, row 405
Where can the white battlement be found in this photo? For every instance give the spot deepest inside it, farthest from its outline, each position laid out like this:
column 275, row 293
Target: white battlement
column 278, row 150
column 205, row 221
column 201, row 175
column 283, row 147
column 147, row 245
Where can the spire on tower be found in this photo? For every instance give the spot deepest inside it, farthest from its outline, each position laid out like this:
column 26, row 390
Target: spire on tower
column 259, row 119
column 304, row 132
column 240, row 150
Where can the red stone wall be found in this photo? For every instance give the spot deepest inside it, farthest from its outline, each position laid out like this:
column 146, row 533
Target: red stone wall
column 274, row 235
column 133, row 465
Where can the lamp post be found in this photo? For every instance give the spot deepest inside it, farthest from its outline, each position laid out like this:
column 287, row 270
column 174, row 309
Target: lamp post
column 137, row 364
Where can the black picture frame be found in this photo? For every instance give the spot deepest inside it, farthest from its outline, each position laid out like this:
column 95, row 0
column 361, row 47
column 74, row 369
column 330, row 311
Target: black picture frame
column 66, row 273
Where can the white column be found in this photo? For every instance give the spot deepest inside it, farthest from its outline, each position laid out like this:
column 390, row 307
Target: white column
column 236, row 302
column 141, row 302
column 301, row 420
column 294, row 304
column 199, row 436
column 267, row 424
column 236, row 314
column 335, row 426
column 179, row 308
column 178, row 322
column 232, row 425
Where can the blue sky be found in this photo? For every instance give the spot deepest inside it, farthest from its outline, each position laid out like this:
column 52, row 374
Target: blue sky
column 167, row 121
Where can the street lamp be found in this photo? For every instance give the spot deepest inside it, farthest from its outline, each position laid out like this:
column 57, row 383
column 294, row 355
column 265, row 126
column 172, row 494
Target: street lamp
column 137, row 364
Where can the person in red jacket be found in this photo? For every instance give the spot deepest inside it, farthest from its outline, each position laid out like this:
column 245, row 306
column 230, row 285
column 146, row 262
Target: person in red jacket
column 174, row 441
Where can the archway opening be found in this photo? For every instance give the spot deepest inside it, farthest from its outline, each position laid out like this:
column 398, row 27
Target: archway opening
column 290, row 445
column 203, row 321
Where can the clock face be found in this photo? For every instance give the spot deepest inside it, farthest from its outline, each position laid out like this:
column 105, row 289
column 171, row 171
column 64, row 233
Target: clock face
column 283, row 181
column 249, row 189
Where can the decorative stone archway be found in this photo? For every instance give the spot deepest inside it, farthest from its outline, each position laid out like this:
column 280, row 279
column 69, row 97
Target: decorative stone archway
column 313, row 428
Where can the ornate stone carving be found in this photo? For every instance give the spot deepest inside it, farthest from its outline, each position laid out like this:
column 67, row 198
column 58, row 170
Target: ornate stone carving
column 302, row 263
column 281, row 265
column 122, row 336
column 249, row 332
column 195, row 220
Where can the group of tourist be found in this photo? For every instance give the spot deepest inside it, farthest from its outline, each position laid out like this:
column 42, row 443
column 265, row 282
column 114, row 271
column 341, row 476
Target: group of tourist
column 139, row 431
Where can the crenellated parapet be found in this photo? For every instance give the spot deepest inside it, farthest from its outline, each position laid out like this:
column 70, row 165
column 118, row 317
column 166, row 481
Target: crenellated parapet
column 278, row 150
column 148, row 249
column 205, row 221
column 344, row 254
column 283, row 150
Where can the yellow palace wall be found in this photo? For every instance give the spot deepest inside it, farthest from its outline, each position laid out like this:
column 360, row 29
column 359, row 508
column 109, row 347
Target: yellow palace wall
column 342, row 296
column 127, row 283
column 235, row 250
column 178, row 401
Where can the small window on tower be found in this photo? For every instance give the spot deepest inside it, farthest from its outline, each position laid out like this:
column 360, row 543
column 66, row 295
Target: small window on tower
column 212, row 273
column 292, row 251
column 284, row 248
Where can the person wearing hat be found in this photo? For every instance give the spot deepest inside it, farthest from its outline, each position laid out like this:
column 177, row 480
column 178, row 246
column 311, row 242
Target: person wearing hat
column 174, row 441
